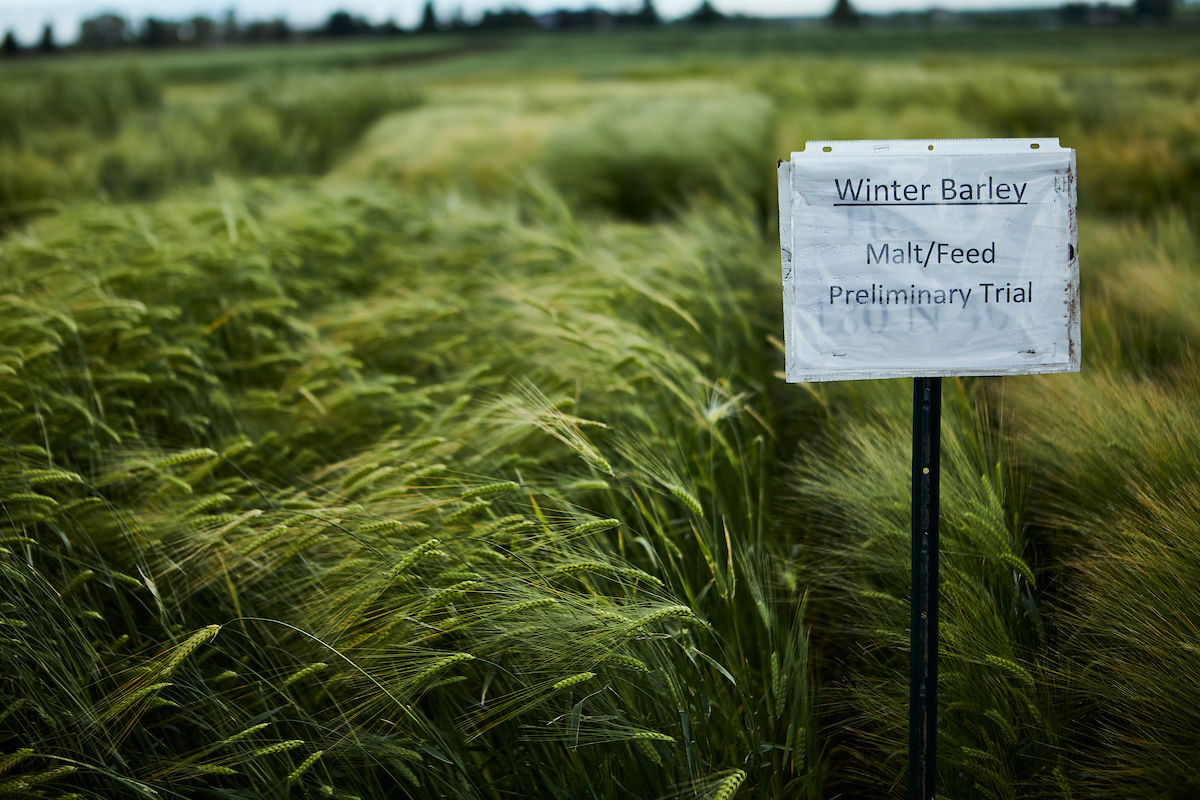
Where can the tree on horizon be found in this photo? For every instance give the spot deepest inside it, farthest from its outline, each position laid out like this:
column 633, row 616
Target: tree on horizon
column 648, row 14
column 47, row 44
column 10, row 47
column 844, row 14
column 1154, row 10
column 706, row 14
column 429, row 22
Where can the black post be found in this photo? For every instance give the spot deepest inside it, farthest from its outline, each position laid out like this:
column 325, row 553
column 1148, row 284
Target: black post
column 922, row 694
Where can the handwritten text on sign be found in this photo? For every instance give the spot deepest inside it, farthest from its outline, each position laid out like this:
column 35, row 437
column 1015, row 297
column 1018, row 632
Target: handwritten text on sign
column 929, row 258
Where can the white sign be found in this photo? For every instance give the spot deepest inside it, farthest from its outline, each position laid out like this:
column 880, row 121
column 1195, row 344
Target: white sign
column 929, row 258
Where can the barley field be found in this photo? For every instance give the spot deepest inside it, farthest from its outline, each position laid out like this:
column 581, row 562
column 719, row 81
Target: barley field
column 407, row 420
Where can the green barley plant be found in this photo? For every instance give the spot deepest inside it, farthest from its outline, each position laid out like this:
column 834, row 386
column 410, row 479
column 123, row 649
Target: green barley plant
column 1118, row 495
column 455, row 548
column 415, row 429
column 641, row 159
column 998, row 733
column 78, row 132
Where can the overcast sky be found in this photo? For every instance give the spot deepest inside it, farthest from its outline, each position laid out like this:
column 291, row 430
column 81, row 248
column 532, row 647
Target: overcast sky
column 26, row 17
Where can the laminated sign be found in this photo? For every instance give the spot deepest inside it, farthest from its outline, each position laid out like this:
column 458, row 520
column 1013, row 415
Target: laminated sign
column 929, row 258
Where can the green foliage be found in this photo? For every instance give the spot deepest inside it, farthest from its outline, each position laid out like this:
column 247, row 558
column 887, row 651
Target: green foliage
column 1118, row 495
column 76, row 132
column 1139, row 311
column 452, row 460
column 382, row 496
column 98, row 100
column 997, row 734
column 641, row 159
column 302, row 122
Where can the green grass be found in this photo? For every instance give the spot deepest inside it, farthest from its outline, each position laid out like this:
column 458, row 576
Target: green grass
column 415, row 428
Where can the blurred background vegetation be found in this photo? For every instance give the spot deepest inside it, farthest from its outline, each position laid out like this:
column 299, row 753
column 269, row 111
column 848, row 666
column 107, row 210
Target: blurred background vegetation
column 378, row 424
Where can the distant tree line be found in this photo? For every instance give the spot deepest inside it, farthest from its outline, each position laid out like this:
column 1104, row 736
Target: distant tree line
column 111, row 31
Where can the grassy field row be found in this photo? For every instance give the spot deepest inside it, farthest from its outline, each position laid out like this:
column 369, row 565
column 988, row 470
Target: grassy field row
column 417, row 430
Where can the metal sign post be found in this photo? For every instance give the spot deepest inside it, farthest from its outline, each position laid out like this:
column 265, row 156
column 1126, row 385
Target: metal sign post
column 927, row 259
column 923, row 663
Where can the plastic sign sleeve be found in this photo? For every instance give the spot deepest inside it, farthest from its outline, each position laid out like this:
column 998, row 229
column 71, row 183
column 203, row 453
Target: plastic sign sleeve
column 929, row 258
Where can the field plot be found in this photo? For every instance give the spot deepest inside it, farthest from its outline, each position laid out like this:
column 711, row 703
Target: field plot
column 408, row 421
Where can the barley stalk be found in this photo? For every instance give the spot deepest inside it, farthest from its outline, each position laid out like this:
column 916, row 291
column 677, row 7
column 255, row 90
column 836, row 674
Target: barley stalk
column 448, row 595
column 465, row 511
column 25, row 540
column 128, row 580
column 185, row 457
column 529, row 605
column 648, row 750
column 83, row 505
column 777, row 679
column 637, row 574
column 27, row 780
column 178, row 483
column 496, row 524
column 357, row 476
column 1019, row 566
column 512, row 529
column 658, row 736
column 589, row 486
column 304, row 765
column 595, row 525
column 1009, row 666
column 253, row 729
column 629, row 662
column 214, row 769
column 609, row 616
column 188, row 647
column 206, row 503
column 224, row 529
column 459, row 575
column 300, row 675
column 300, row 545
column 441, row 664
column 687, row 498
column 9, row 760
column 40, row 477
column 237, row 446
column 210, row 520
column 407, row 753
column 1006, row 729
column 489, row 489
column 423, row 445
column 727, row 788
column 270, row 535
column 573, row 680
column 29, row 497
column 278, row 747
column 423, row 550
column 584, row 566
column 424, row 472
column 128, row 700
column 77, row 581
column 391, row 525
column 670, row 612
column 881, row 596
column 407, row 772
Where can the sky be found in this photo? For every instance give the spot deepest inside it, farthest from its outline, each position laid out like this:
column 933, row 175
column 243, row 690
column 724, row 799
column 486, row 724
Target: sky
column 26, row 17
